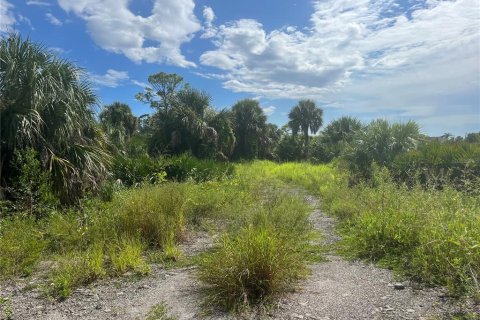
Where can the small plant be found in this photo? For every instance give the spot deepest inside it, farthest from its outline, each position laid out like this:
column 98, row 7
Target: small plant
column 76, row 269
column 127, row 256
column 7, row 308
column 159, row 312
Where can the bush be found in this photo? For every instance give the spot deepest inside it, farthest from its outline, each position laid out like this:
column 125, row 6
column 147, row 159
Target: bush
column 31, row 187
column 439, row 164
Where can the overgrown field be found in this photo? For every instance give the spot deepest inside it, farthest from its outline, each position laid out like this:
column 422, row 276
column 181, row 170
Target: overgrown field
column 430, row 235
column 262, row 248
column 264, row 238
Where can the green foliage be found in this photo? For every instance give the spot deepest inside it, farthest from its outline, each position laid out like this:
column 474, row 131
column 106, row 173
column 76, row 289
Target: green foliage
column 337, row 136
column 305, row 116
column 7, row 308
column 188, row 168
column 76, row 269
column 31, row 188
column 262, row 255
column 45, row 105
column 154, row 214
column 119, row 123
column 440, row 164
column 21, row 246
column 249, row 122
column 290, row 148
column 379, row 142
column 126, row 255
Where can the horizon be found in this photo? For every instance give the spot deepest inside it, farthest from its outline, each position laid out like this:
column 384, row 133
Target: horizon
column 396, row 60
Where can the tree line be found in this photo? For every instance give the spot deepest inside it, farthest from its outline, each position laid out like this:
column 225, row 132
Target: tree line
column 50, row 134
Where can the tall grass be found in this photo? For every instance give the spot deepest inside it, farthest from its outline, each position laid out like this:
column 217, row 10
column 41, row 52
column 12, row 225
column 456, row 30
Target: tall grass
column 430, row 235
column 262, row 255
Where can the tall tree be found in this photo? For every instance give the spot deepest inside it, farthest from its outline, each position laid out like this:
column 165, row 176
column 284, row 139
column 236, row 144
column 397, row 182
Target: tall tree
column 118, row 121
column 338, row 135
column 179, row 123
column 45, row 105
column 305, row 116
column 249, row 122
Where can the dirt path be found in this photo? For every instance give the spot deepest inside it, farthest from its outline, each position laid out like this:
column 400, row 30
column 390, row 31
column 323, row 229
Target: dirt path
column 337, row 289
column 340, row 289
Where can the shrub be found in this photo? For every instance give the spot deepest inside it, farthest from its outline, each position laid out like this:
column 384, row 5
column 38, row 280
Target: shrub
column 439, row 164
column 31, row 187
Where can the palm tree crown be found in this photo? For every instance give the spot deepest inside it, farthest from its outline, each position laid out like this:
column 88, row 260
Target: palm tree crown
column 304, row 116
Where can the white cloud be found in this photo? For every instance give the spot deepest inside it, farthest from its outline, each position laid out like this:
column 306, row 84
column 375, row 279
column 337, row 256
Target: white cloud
column 156, row 38
column 357, row 53
column 208, row 15
column 209, row 31
column 53, row 20
column 38, row 3
column 112, row 79
column 139, row 83
column 269, row 110
column 7, row 19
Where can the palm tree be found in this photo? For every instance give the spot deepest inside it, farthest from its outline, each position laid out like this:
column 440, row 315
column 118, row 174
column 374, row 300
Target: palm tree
column 304, row 116
column 338, row 135
column 249, row 122
column 45, row 105
column 118, row 122
column 180, row 123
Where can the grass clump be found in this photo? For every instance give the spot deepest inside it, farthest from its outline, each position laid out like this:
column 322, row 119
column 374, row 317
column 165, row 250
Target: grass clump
column 21, row 246
column 127, row 255
column 155, row 214
column 249, row 268
column 262, row 255
column 159, row 312
column 76, row 269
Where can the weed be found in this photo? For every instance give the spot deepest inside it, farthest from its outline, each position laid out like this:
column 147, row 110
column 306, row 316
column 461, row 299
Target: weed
column 159, row 312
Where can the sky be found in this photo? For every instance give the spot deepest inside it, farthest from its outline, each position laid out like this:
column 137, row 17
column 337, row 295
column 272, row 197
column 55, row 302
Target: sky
column 398, row 60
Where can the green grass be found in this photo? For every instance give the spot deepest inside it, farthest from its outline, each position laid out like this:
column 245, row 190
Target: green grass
column 262, row 255
column 432, row 236
column 21, row 246
column 159, row 312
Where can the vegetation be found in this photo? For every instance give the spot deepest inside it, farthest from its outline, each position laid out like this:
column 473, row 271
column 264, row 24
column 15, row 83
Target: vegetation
column 100, row 198
column 45, row 106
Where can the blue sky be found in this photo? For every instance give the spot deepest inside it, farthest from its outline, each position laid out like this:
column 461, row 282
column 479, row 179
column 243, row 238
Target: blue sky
column 395, row 59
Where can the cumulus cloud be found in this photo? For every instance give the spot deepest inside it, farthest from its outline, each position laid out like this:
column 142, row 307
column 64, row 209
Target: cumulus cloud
column 112, row 79
column 209, row 31
column 382, row 55
column 53, row 20
column 155, row 38
column 269, row 110
column 7, row 19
